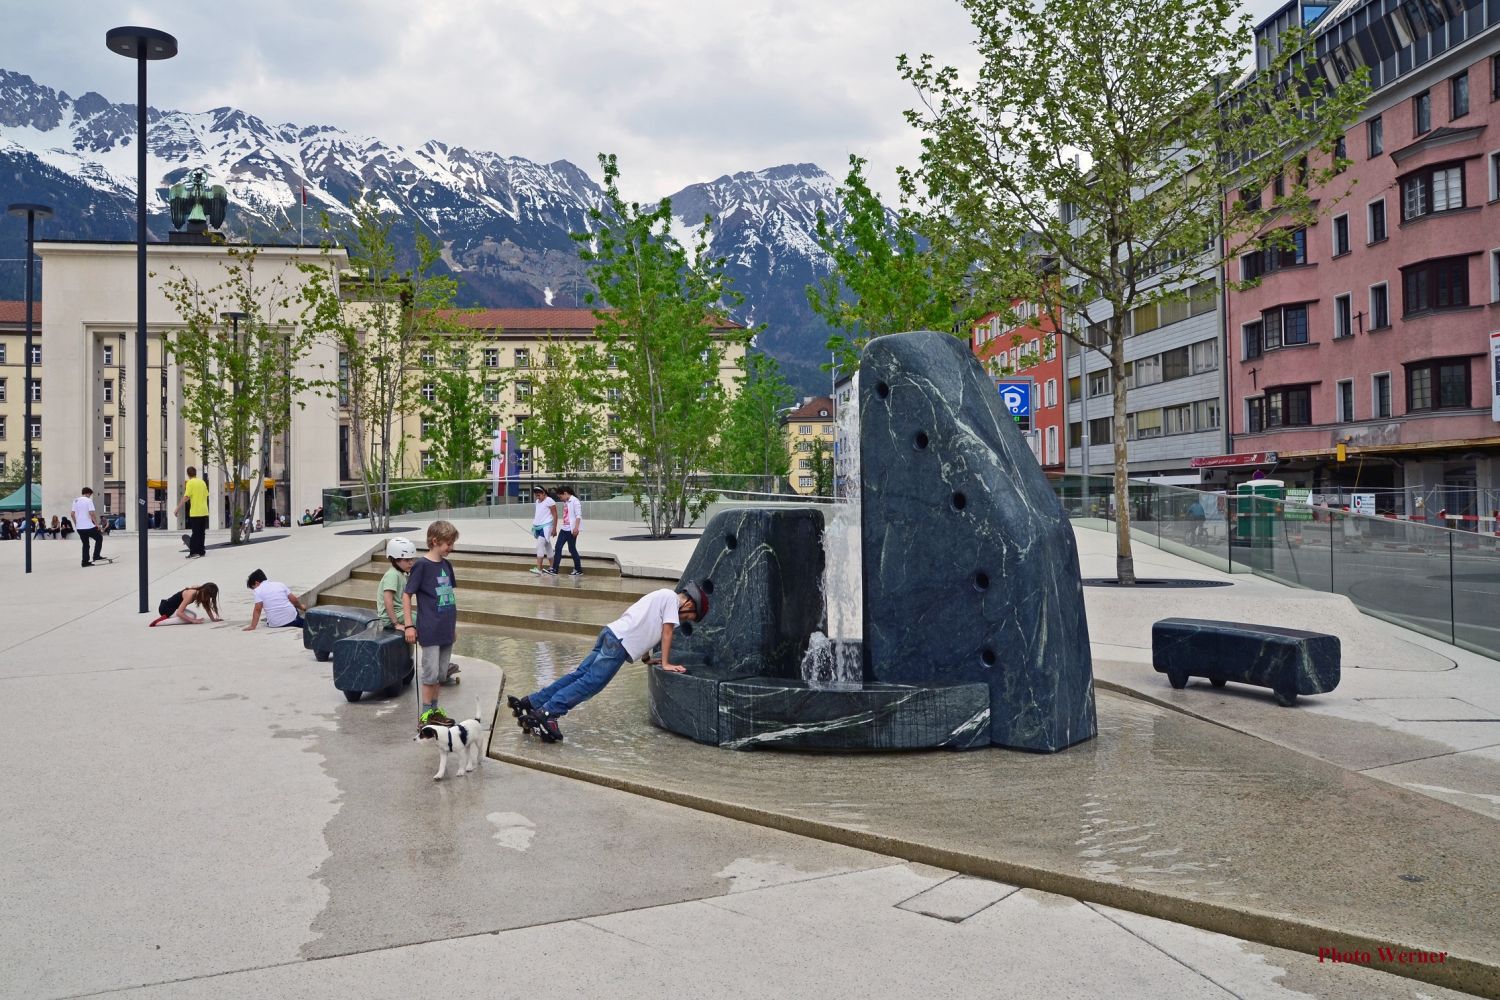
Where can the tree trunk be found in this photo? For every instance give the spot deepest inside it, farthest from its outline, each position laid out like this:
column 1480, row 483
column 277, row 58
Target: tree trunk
column 1124, row 561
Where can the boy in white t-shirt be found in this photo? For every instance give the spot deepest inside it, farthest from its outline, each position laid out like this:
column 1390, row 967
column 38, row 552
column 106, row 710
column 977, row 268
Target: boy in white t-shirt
column 648, row 621
column 88, row 528
column 282, row 607
column 543, row 526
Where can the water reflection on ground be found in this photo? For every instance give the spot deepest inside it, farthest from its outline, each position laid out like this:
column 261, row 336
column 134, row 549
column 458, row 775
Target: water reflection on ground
column 1159, row 801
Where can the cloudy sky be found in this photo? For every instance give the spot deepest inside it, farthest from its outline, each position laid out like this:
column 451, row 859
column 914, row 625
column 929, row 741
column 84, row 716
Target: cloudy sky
column 682, row 90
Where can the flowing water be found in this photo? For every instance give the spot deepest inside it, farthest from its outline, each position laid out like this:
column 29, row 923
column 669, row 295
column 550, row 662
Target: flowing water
column 836, row 658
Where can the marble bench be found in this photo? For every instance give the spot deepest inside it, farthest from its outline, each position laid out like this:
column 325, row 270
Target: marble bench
column 1288, row 661
column 377, row 659
column 328, row 623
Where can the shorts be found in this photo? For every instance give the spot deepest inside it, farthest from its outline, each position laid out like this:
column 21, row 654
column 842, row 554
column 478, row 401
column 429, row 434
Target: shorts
column 435, row 660
column 169, row 607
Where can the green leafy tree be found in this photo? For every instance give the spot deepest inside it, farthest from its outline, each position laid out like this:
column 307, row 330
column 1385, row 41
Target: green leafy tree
column 239, row 351
column 822, row 469
column 13, row 475
column 379, row 316
column 1101, row 139
column 752, row 443
column 566, row 394
column 883, row 279
column 459, row 410
column 659, row 326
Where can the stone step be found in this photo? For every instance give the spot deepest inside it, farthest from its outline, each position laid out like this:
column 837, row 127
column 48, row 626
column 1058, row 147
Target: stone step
column 520, row 581
column 573, row 614
column 504, row 560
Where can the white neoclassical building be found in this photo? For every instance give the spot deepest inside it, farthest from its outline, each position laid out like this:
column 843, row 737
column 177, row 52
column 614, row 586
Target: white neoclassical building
column 87, row 429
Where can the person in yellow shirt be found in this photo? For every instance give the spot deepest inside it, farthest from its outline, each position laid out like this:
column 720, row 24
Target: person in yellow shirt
column 195, row 496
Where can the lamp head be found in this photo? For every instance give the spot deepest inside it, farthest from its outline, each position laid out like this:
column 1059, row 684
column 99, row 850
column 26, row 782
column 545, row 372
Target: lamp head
column 140, row 43
column 24, row 208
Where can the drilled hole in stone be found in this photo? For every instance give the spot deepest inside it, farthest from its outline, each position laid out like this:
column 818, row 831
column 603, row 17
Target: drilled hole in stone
column 687, row 628
column 707, row 585
column 981, row 581
column 960, row 501
column 730, row 541
column 920, row 441
column 988, row 657
column 882, row 390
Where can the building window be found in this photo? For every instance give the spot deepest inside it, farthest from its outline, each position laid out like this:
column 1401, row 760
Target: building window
column 1380, row 402
column 805, row 482
column 1380, row 306
column 1052, row 450
column 1145, row 424
column 429, row 392
column 1049, row 396
column 612, row 394
column 1278, row 185
column 1205, row 356
column 1494, row 180
column 109, row 428
column 1343, row 317
column 1435, row 284
column 523, row 389
column 1177, row 419
column 1274, row 258
column 1458, row 92
column 109, row 465
column 428, row 359
column 2, row 390
column 1253, row 336
column 492, row 392
column 616, row 461
column 1340, row 235
column 36, row 390
column 36, row 428
column 804, row 463
column 109, row 356
column 1375, row 221
column 1289, row 407
column 614, row 423
column 1494, row 286
column 1421, row 113
column 1375, row 133
column 2, row 352
column 426, row 462
column 1432, row 189
column 1495, row 77
column 425, row 431
column 1345, row 402
column 1437, row 384
column 1206, row 414
column 492, row 357
column 1284, row 326
column 109, row 390
column 2, row 427
column 108, row 499
column 523, row 357
column 36, row 354
column 804, row 428
column 1255, row 415
column 1250, row 199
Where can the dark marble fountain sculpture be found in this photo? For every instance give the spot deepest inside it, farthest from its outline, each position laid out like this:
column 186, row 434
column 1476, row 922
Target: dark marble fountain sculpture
column 974, row 627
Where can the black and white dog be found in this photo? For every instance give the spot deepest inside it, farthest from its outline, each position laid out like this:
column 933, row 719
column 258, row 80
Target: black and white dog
column 466, row 738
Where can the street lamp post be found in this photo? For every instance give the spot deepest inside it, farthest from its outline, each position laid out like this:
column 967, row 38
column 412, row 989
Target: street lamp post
column 32, row 213
column 142, row 45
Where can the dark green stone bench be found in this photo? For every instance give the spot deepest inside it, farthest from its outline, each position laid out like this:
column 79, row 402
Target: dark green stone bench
column 1289, row 661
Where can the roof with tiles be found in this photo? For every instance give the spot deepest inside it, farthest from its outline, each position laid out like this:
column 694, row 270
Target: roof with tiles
column 558, row 320
column 15, row 312
column 810, row 410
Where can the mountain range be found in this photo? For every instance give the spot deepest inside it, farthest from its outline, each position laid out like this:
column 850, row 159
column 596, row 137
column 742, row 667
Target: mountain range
column 503, row 222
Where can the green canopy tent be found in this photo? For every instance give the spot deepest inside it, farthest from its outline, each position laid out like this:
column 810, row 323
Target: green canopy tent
column 17, row 500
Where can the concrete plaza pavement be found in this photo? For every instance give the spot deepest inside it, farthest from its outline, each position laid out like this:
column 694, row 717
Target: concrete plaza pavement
column 229, row 826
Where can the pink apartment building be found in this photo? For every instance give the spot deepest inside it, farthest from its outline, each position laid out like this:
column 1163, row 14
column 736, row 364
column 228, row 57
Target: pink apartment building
column 1380, row 330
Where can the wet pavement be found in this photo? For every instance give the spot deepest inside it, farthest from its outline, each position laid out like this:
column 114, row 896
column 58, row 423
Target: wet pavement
column 1163, row 813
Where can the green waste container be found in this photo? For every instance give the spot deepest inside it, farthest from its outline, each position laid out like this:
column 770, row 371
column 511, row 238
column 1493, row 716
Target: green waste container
column 1258, row 511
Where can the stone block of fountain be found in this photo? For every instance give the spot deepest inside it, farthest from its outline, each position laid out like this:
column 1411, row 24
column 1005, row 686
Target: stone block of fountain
column 968, row 623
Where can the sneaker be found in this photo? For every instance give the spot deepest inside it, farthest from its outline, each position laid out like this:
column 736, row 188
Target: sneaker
column 576, row 572
column 158, row 621
column 517, row 706
column 543, row 725
column 550, row 572
column 436, row 717
column 452, row 676
column 536, row 569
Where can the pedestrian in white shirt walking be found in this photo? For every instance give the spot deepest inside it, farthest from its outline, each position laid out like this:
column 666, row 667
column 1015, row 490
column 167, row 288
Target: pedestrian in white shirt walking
column 83, row 520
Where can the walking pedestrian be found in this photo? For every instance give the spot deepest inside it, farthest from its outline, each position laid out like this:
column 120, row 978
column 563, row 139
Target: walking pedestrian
column 195, row 496
column 568, row 528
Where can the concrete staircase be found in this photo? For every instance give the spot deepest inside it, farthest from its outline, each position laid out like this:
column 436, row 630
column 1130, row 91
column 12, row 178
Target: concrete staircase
column 499, row 590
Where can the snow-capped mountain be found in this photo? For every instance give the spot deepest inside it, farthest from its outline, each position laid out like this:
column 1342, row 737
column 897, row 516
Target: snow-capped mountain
column 503, row 221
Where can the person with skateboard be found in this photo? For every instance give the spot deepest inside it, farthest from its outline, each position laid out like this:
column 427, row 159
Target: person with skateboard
column 83, row 520
column 648, row 621
column 431, row 587
column 195, row 496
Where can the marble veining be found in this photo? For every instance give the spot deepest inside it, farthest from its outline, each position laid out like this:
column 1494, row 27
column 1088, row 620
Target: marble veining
column 1290, row 662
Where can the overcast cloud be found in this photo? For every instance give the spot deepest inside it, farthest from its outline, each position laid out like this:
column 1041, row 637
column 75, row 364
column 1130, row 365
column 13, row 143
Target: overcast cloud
column 682, row 90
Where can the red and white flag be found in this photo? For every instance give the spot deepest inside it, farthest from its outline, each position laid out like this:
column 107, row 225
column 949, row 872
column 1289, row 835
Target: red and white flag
column 304, row 195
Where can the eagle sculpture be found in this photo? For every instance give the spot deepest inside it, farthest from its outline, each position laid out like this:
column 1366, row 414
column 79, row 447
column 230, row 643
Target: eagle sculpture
column 197, row 204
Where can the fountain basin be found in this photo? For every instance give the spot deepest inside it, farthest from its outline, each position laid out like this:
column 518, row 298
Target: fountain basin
column 744, row 713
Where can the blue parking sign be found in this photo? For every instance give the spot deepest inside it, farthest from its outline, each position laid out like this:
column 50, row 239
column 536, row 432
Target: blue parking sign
column 1017, row 399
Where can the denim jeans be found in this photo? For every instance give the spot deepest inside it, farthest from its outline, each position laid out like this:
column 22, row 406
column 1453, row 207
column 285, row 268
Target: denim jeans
column 566, row 538
column 596, row 670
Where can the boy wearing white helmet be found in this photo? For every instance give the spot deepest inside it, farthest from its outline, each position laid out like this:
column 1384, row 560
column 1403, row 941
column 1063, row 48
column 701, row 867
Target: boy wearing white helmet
column 401, row 552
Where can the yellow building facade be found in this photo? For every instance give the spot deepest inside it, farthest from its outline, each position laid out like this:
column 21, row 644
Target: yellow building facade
column 809, row 422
